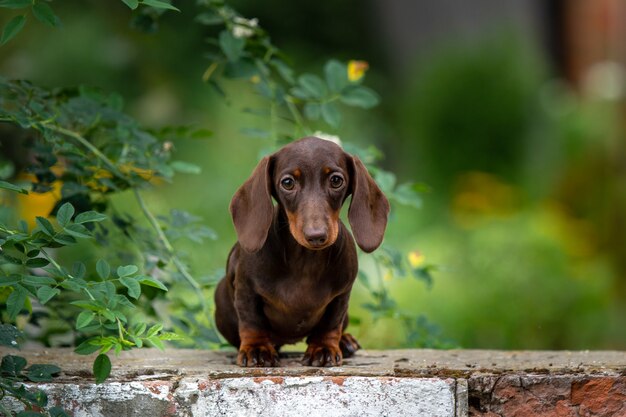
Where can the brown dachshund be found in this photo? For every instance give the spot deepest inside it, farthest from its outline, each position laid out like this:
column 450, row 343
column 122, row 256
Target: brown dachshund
column 290, row 274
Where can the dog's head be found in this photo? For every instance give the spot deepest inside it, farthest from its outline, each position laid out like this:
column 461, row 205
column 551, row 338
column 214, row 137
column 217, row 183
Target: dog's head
column 310, row 179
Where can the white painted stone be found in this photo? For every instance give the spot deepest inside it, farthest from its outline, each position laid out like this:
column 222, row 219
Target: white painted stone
column 114, row 399
column 319, row 396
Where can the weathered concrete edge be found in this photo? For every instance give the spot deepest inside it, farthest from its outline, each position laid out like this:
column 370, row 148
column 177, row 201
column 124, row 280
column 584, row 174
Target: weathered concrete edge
column 530, row 383
column 489, row 394
column 277, row 396
column 422, row 363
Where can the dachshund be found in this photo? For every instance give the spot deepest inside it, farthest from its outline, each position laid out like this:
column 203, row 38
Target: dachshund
column 290, row 274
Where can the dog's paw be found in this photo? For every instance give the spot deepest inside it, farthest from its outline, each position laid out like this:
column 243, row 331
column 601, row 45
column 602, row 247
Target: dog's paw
column 257, row 355
column 322, row 355
column 348, row 345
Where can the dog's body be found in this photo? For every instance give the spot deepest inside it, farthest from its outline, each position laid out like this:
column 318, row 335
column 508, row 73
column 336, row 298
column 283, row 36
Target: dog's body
column 290, row 274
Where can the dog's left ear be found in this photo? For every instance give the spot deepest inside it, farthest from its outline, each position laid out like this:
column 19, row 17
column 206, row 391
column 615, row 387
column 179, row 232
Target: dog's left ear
column 369, row 207
column 251, row 208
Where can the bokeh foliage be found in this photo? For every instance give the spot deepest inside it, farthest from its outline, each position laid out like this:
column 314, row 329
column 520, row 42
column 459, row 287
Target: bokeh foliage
column 520, row 217
column 78, row 150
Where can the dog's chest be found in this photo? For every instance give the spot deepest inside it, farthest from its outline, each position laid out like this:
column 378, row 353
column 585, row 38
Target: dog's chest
column 296, row 300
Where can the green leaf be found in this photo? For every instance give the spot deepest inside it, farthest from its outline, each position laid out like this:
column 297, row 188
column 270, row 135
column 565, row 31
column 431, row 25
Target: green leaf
column 41, row 372
column 154, row 330
column 133, row 4
column 108, row 315
column 57, row 412
column 36, row 280
column 156, row 342
column 336, row 75
column 139, row 328
column 158, row 4
column 64, row 239
column 9, row 282
column 46, row 293
column 44, row 225
column 87, row 304
column 64, row 214
column 84, row 319
column 136, row 340
column 124, row 271
column 312, row 111
column 16, row 300
column 301, row 93
column 101, row 368
column 231, row 46
column 360, row 97
column 87, row 347
column 283, row 69
column 8, row 185
column 331, row 114
column 43, row 12
column 37, row 262
column 408, row 195
column 78, row 230
column 170, row 336
column 243, row 68
column 386, row 180
column 15, row 4
column 10, row 259
column 12, row 365
column 79, row 270
column 313, row 85
column 9, row 335
column 29, row 414
column 151, row 282
column 89, row 216
column 134, row 289
column 103, row 269
column 209, row 18
column 185, row 167
column 106, row 288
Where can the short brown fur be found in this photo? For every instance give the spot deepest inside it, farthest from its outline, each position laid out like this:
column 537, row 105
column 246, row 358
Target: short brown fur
column 290, row 274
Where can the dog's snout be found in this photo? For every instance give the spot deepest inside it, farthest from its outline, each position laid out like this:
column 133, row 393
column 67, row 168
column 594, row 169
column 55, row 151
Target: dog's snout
column 316, row 236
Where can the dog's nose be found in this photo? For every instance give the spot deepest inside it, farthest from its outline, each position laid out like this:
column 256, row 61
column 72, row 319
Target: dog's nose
column 316, row 236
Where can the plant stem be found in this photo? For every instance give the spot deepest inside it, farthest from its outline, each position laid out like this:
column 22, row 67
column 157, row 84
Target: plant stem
column 110, row 164
column 169, row 248
column 294, row 112
column 58, row 267
column 147, row 213
column 119, row 329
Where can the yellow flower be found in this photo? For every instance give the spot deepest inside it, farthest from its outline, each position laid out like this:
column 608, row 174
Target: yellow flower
column 31, row 205
column 356, row 70
column 416, row 259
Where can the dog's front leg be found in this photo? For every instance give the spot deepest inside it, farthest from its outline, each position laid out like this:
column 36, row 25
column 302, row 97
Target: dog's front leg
column 323, row 342
column 256, row 348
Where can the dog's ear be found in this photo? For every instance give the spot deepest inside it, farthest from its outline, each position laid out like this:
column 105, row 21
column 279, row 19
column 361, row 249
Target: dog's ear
column 369, row 207
column 252, row 208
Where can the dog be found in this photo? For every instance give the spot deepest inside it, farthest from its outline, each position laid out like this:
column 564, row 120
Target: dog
column 290, row 274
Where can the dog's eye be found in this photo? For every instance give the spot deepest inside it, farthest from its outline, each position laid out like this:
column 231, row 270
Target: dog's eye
column 287, row 183
column 336, row 181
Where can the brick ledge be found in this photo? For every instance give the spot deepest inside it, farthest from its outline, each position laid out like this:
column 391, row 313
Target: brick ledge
column 454, row 383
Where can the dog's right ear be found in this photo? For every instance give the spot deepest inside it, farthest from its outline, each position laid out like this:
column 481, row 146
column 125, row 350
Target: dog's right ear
column 252, row 208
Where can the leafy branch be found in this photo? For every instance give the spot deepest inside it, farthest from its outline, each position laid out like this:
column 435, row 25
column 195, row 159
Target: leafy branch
column 13, row 372
column 244, row 51
column 42, row 11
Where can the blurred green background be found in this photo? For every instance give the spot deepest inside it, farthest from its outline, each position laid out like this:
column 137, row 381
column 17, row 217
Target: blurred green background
column 511, row 112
